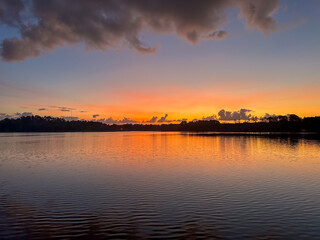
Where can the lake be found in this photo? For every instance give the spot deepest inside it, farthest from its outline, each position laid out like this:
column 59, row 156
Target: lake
column 145, row 185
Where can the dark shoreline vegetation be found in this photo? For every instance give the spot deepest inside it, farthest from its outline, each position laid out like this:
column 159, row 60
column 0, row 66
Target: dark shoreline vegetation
column 280, row 124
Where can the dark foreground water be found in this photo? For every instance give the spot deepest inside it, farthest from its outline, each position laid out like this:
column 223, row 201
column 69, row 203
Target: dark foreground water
column 158, row 186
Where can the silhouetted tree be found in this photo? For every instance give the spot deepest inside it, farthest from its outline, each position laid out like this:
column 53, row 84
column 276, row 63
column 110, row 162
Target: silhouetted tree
column 294, row 118
column 292, row 123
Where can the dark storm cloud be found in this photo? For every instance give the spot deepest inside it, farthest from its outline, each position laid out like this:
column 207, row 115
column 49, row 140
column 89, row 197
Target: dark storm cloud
column 103, row 24
column 10, row 12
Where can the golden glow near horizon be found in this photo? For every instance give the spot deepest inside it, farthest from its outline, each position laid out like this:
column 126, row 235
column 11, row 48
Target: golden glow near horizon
column 184, row 103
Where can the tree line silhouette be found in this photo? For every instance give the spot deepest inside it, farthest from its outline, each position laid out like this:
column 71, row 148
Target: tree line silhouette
column 290, row 123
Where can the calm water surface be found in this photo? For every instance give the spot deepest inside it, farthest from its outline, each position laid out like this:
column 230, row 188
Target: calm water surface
column 158, row 186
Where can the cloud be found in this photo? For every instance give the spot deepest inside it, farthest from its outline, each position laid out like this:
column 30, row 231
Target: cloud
column 163, row 119
column 209, row 118
column 42, row 109
column 114, row 121
column 267, row 115
column 95, row 115
column 63, row 109
column 15, row 115
column 180, row 120
column 242, row 114
column 114, row 23
column 10, row 12
column 225, row 115
column 152, row 120
column 24, row 114
column 258, row 14
column 4, row 116
column 70, row 118
column 218, row 35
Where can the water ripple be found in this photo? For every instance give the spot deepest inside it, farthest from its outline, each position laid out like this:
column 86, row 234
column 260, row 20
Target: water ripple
column 157, row 186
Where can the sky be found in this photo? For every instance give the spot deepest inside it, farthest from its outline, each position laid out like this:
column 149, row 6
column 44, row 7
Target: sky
column 158, row 61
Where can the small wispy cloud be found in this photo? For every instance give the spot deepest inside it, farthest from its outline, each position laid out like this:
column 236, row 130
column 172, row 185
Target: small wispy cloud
column 63, row 109
column 70, row 118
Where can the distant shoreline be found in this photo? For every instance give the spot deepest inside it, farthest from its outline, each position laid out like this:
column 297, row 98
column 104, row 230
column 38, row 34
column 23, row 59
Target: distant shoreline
column 286, row 126
column 204, row 133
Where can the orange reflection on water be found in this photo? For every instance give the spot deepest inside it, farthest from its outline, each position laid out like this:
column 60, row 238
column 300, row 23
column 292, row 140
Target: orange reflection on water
column 162, row 154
